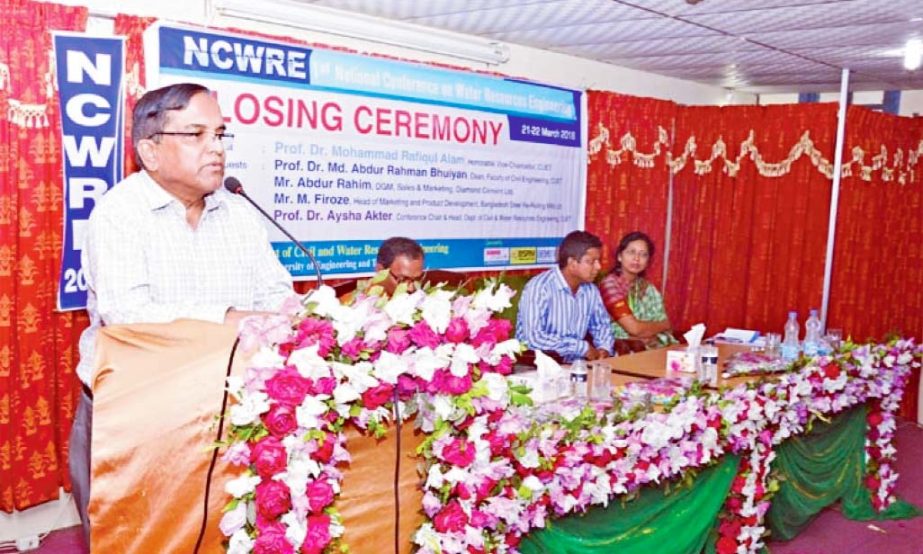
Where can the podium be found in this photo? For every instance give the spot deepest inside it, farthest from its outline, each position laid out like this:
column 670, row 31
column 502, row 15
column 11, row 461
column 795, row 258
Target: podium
column 157, row 395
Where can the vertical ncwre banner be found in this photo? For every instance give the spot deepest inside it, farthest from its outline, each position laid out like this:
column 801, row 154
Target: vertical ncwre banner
column 89, row 75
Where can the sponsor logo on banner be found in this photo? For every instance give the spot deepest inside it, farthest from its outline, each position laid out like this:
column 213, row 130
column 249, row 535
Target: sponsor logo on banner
column 496, row 255
column 89, row 73
column 522, row 256
column 546, row 254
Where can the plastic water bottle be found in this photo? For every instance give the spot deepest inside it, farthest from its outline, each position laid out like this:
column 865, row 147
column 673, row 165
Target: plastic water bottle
column 812, row 334
column 578, row 379
column 790, row 345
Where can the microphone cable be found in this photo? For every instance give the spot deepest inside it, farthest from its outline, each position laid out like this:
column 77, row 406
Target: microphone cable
column 214, row 460
column 234, row 185
column 397, row 472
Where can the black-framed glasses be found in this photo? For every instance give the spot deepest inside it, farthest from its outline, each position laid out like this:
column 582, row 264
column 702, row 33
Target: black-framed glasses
column 200, row 137
column 406, row 278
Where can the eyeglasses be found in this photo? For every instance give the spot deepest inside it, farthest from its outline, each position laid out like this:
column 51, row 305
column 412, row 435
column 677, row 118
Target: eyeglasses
column 200, row 137
column 405, row 278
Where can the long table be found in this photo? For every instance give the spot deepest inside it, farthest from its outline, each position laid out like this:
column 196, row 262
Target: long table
column 157, row 393
column 652, row 364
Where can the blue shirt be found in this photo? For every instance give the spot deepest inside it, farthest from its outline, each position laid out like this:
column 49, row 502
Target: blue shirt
column 552, row 317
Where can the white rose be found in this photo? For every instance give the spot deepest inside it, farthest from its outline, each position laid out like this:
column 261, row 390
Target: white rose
column 443, row 406
column 509, row 347
column 359, row 375
column 240, row 543
column 494, row 301
column 245, row 484
column 307, row 414
column 437, row 310
column 249, row 408
column 267, row 357
column 402, row 307
column 345, row 393
column 325, row 298
column 388, row 367
column 308, row 363
column 426, row 362
column 295, row 530
column 465, row 354
column 497, row 387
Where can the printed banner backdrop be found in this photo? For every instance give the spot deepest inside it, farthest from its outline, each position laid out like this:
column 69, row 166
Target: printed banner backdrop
column 89, row 73
column 346, row 150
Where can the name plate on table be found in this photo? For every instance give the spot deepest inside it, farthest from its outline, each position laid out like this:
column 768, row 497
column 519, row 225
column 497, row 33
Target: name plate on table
column 681, row 361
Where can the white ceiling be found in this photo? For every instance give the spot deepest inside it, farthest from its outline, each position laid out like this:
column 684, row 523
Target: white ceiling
column 747, row 45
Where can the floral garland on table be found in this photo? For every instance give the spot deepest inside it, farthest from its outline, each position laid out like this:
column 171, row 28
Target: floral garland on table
column 496, row 467
column 828, row 385
column 881, row 479
column 493, row 475
column 312, row 372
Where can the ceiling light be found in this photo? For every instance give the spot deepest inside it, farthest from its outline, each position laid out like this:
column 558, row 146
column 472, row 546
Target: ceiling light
column 359, row 26
column 913, row 54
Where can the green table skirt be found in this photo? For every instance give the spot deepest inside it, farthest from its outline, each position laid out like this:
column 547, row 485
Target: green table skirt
column 820, row 468
column 817, row 469
column 682, row 520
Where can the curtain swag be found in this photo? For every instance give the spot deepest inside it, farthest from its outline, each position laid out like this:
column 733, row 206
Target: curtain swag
column 902, row 169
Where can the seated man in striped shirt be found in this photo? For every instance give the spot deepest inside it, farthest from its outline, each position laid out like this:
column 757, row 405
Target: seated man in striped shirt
column 559, row 306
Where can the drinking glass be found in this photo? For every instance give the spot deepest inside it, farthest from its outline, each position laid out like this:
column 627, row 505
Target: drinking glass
column 600, row 381
column 773, row 344
column 834, row 338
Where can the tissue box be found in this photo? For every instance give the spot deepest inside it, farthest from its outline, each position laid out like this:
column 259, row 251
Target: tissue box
column 543, row 390
column 681, row 361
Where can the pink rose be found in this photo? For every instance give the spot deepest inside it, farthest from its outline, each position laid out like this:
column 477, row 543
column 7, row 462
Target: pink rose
column 398, row 341
column 272, row 541
column 423, row 335
column 484, row 488
column 325, row 385
column 318, row 536
column 320, row 495
column 288, row 387
column 376, row 396
column 315, row 331
column 874, row 418
column 457, row 330
column 480, row 519
column 237, row 454
column 273, row 499
column 280, row 420
column 496, row 330
column 505, row 367
column 734, row 503
column 458, row 453
column 269, row 457
column 451, row 518
column 457, row 385
column 324, row 448
column 256, row 331
column 406, row 386
column 726, row 545
column 352, row 349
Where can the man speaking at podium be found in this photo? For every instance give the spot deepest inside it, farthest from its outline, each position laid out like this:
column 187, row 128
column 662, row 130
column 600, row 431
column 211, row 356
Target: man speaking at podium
column 168, row 243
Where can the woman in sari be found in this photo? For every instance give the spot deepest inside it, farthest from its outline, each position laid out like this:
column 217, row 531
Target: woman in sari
column 634, row 302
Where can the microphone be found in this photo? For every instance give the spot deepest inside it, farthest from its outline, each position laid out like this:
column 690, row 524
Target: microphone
column 235, row 187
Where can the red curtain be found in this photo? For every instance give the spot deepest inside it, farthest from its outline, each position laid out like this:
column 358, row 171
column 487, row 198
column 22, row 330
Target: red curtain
column 626, row 197
column 38, row 346
column 877, row 282
column 747, row 249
